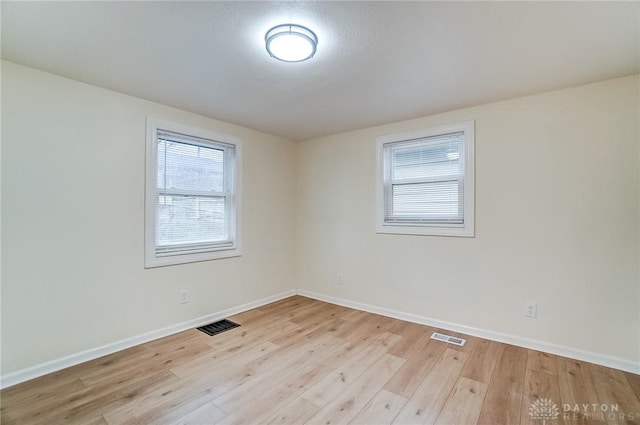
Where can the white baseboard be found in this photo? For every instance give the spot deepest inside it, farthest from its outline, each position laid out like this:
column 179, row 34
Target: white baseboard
column 560, row 350
column 93, row 353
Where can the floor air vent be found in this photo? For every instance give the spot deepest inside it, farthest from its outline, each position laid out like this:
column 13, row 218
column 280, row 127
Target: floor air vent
column 216, row 327
column 448, row 338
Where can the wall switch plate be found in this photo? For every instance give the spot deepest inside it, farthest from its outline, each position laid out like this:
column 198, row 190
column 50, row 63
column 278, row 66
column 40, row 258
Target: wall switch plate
column 184, row 297
column 340, row 279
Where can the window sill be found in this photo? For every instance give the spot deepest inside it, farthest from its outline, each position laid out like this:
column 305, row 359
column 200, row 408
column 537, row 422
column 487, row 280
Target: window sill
column 153, row 261
column 463, row 232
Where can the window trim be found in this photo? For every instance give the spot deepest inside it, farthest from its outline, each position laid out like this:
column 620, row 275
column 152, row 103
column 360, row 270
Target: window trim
column 151, row 192
column 430, row 229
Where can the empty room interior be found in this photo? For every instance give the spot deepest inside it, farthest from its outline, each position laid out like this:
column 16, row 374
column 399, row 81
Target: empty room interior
column 230, row 212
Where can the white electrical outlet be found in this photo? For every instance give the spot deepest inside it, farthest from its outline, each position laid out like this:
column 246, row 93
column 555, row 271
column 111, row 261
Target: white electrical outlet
column 340, row 279
column 531, row 311
column 184, row 297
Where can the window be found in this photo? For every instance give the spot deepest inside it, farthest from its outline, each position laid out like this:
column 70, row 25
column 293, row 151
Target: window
column 425, row 183
column 192, row 195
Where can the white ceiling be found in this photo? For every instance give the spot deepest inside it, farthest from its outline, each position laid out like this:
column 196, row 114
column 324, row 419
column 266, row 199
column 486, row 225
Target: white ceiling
column 377, row 62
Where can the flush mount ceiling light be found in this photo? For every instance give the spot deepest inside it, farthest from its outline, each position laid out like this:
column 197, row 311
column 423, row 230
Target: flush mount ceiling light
column 291, row 42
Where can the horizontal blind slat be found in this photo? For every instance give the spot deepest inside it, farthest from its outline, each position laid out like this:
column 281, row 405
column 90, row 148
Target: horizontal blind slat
column 193, row 196
column 424, row 180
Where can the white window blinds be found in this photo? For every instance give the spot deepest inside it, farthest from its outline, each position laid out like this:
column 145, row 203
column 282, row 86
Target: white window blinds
column 195, row 199
column 424, row 180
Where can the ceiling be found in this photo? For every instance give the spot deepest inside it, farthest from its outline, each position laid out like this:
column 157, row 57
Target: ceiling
column 377, row 62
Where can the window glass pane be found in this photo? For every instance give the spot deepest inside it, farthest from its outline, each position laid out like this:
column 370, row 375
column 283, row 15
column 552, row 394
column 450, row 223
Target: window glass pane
column 427, row 160
column 190, row 220
column 427, row 201
column 189, row 167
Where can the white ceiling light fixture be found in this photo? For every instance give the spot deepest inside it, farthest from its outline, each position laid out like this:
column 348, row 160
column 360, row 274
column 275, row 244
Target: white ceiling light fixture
column 291, row 42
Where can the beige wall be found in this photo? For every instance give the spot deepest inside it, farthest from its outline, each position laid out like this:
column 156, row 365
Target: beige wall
column 556, row 223
column 73, row 274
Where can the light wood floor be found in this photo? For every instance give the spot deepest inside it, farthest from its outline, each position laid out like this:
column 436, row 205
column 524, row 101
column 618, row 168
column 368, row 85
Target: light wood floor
column 301, row 361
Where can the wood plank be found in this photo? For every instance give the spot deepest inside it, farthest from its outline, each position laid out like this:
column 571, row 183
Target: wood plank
column 57, row 382
column 29, row 396
column 273, row 402
column 634, row 381
column 259, row 378
column 278, row 397
column 347, row 404
column 464, row 403
column 98, row 420
column 405, row 382
column 259, row 409
column 334, row 383
column 381, row 409
column 359, row 332
column 213, row 362
column 291, row 408
column 298, row 411
column 539, row 386
column 383, row 323
column 618, row 402
column 577, row 388
column 425, row 404
column 503, row 402
column 159, row 360
column 308, row 332
column 86, row 404
column 208, row 413
column 163, row 404
column 193, row 391
column 542, row 362
column 235, row 381
column 411, row 338
column 482, row 361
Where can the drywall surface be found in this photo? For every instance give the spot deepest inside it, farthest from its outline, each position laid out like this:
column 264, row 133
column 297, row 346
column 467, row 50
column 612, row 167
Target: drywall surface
column 556, row 223
column 73, row 276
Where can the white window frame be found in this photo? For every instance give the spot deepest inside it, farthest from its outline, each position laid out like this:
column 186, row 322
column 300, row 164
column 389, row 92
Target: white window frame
column 152, row 259
column 467, row 229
